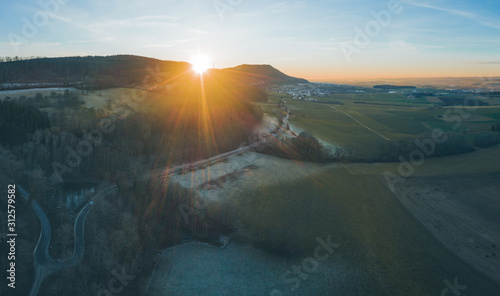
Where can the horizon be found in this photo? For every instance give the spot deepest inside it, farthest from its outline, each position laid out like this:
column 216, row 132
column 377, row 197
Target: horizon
column 320, row 41
column 260, row 148
column 318, row 80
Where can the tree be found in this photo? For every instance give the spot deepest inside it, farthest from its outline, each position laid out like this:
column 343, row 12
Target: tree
column 37, row 183
column 17, row 121
column 10, row 165
column 496, row 127
column 308, row 147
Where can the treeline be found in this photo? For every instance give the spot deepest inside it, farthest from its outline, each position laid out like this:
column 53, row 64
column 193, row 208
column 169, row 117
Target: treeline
column 491, row 94
column 98, row 72
column 167, row 129
column 388, row 86
column 18, row 121
column 86, row 72
column 304, row 147
column 395, row 150
column 496, row 127
column 484, row 140
column 58, row 100
column 18, row 58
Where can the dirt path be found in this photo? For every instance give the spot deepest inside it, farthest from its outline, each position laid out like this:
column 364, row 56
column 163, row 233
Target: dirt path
column 362, row 124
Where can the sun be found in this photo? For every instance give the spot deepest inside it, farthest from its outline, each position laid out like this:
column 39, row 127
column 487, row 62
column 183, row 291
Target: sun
column 200, row 64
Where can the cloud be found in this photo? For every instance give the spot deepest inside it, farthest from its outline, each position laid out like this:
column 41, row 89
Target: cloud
column 466, row 14
column 276, row 8
column 482, row 62
column 166, row 45
column 401, row 46
column 154, row 18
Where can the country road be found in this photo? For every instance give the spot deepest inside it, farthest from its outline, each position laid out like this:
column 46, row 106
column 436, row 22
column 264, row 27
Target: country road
column 46, row 265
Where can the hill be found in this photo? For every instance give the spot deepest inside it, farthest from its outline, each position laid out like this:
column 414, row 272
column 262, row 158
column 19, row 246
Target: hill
column 393, row 87
column 100, row 72
column 263, row 75
column 92, row 72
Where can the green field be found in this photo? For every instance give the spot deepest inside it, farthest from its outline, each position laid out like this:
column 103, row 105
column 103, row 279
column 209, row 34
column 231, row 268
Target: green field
column 382, row 116
column 379, row 238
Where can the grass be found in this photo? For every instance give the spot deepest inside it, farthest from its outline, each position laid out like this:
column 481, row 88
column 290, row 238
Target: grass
column 338, row 129
column 484, row 161
column 397, row 122
column 334, row 127
column 405, row 119
column 379, row 238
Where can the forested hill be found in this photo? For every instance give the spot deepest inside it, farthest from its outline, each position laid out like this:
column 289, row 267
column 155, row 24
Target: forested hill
column 117, row 71
column 263, row 74
column 85, row 72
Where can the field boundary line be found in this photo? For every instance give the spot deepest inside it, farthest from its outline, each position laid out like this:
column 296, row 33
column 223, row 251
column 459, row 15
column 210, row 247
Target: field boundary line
column 362, row 124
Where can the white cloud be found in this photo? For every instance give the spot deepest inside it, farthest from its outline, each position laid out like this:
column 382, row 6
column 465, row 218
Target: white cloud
column 404, row 47
column 466, row 14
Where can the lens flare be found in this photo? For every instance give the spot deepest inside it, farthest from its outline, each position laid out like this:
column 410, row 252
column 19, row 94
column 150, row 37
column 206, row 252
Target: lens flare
column 200, row 64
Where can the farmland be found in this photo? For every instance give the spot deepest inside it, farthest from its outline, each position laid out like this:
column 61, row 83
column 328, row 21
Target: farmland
column 284, row 206
column 391, row 115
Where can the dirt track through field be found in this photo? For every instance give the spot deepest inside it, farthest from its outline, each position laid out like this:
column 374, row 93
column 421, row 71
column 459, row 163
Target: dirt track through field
column 462, row 213
column 362, row 124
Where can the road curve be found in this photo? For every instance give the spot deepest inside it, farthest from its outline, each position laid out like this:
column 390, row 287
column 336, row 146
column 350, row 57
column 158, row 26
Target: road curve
column 44, row 263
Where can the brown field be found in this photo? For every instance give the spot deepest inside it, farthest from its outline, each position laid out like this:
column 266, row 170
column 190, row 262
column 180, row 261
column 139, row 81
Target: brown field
column 434, row 100
column 462, row 213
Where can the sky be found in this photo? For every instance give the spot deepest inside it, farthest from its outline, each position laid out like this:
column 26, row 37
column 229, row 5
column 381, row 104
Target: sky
column 317, row 40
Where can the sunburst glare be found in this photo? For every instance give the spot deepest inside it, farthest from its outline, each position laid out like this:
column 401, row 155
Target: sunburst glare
column 200, row 64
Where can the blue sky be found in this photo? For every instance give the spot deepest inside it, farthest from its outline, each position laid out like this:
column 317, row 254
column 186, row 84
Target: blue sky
column 313, row 39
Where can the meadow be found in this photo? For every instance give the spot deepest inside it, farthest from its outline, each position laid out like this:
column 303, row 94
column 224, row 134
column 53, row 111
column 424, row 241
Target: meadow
column 365, row 119
column 380, row 238
column 389, row 239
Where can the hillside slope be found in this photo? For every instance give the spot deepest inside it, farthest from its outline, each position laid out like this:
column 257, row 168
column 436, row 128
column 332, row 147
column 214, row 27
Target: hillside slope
column 99, row 72
column 262, row 74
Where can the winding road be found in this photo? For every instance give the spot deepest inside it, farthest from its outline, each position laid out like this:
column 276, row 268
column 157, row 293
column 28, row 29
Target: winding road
column 46, row 265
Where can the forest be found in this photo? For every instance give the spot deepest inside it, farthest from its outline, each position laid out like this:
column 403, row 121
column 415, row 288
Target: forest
column 91, row 72
column 100, row 72
column 187, row 120
column 17, row 122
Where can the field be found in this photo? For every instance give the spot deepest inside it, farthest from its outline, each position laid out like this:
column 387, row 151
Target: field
column 440, row 224
column 364, row 119
column 286, row 205
column 462, row 213
column 51, row 100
